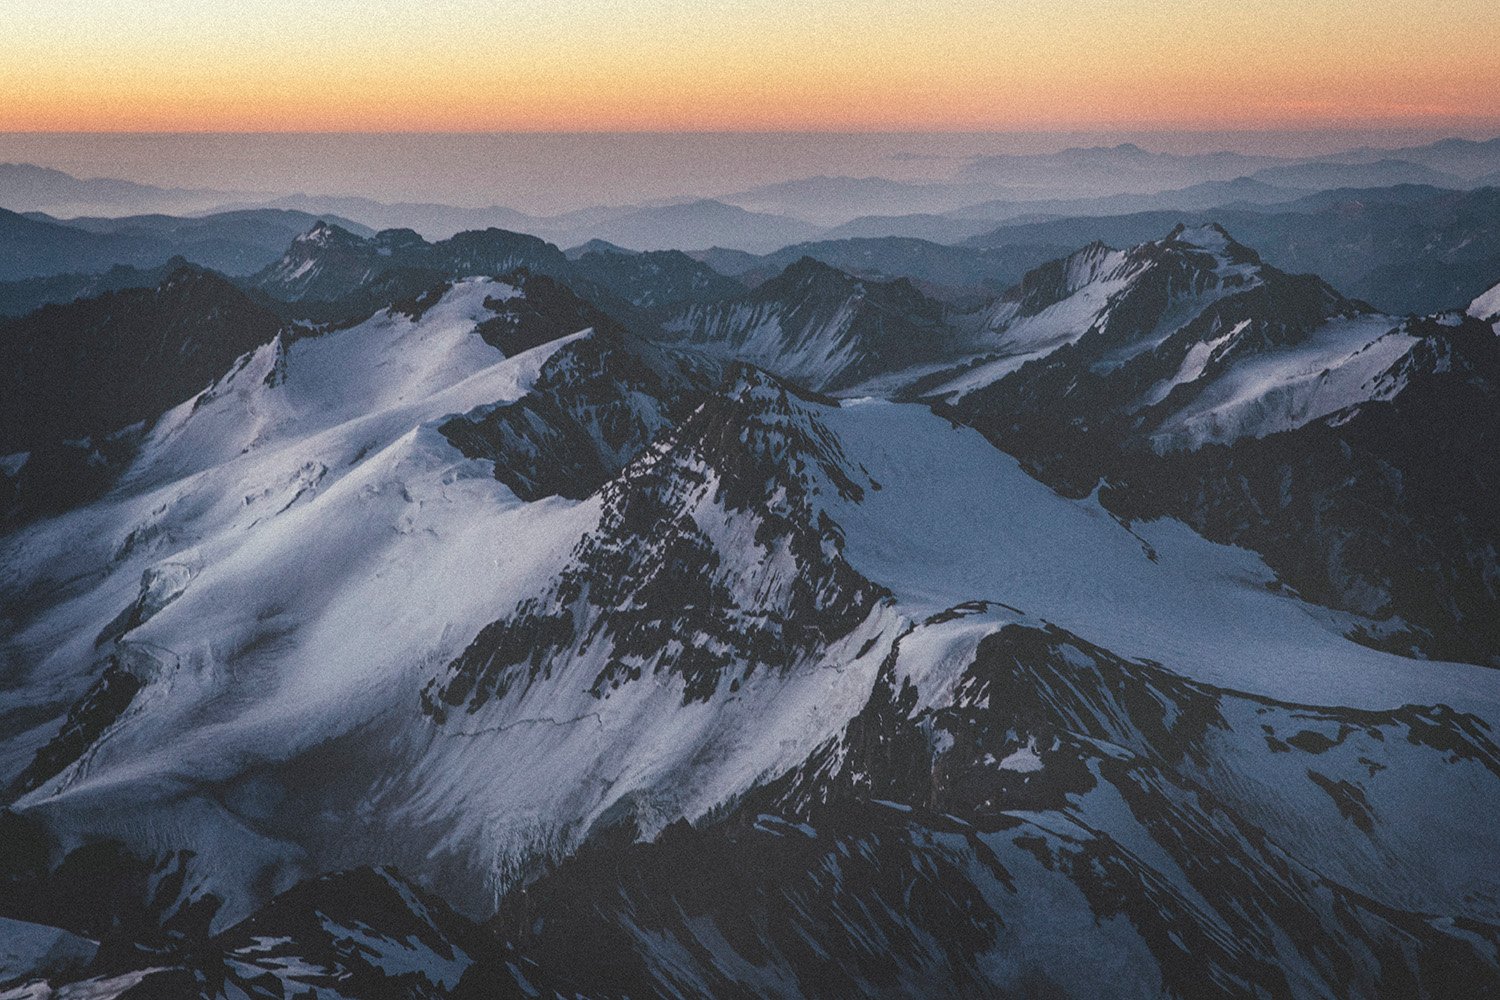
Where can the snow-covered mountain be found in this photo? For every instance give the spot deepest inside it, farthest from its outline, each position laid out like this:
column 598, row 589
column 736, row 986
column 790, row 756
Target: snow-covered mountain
column 821, row 327
column 1264, row 408
column 1189, row 341
column 484, row 647
column 328, row 262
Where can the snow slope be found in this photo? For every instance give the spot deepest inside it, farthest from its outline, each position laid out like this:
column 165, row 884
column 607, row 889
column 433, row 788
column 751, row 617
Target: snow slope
column 957, row 520
column 316, row 532
column 310, row 644
column 1486, row 306
column 1341, row 364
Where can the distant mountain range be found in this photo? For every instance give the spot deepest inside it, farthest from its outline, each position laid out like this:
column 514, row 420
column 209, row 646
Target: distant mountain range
column 1127, row 168
column 687, row 225
column 1095, row 180
column 25, row 186
column 38, row 246
column 1405, row 248
column 331, row 274
column 1468, row 158
column 1207, row 194
column 959, row 275
column 18, row 298
column 832, row 201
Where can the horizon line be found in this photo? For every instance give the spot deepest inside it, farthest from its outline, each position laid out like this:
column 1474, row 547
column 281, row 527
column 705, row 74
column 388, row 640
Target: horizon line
column 1102, row 129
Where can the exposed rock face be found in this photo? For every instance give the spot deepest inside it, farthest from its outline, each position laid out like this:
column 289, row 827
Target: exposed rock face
column 98, row 365
column 76, row 378
column 710, row 534
column 655, row 280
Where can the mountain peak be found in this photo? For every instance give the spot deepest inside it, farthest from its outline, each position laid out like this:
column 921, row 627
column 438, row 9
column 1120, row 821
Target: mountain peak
column 329, row 264
column 1209, row 236
column 599, row 246
column 807, row 275
column 394, row 239
column 1213, row 238
column 324, row 233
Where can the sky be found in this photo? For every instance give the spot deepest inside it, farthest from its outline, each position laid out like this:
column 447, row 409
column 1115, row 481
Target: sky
column 748, row 65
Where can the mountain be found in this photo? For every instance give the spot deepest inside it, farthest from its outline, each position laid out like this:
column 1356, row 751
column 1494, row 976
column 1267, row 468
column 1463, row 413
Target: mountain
column 727, row 262
column 1104, row 170
column 32, row 248
column 330, row 265
column 1266, row 409
column 234, row 243
column 1128, row 169
column 330, row 274
column 682, row 225
column 433, row 220
column 832, row 201
column 599, row 247
column 1189, row 340
column 971, row 221
column 946, row 228
column 1466, row 158
column 654, row 279
column 697, row 225
column 1108, row 306
column 887, row 864
column 1352, row 198
column 27, row 187
column 100, row 364
column 267, row 229
column 1239, row 192
column 18, row 298
column 950, row 274
column 79, row 379
column 477, row 645
column 820, row 327
column 1162, row 368
column 765, row 694
column 239, row 242
column 1378, row 173
column 1406, row 250
column 967, row 222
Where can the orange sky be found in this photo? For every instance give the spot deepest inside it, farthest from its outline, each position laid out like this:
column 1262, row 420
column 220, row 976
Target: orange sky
column 150, row 65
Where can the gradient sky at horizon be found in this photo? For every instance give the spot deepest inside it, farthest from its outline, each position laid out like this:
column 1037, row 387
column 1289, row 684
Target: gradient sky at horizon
column 440, row 65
